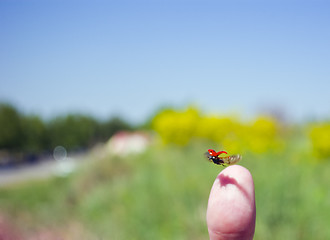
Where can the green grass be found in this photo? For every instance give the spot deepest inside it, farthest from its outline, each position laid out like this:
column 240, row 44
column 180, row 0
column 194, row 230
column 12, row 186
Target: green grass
column 163, row 193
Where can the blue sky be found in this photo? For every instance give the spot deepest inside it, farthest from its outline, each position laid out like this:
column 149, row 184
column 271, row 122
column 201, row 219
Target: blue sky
column 130, row 57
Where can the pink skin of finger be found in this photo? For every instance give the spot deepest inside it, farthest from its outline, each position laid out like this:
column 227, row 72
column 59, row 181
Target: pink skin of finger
column 231, row 210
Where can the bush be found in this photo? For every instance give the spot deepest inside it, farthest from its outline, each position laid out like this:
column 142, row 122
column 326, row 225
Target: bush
column 180, row 127
column 319, row 135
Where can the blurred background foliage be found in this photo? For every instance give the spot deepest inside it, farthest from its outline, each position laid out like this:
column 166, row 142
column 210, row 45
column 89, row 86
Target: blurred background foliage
column 23, row 134
column 162, row 192
column 319, row 135
column 260, row 135
column 29, row 134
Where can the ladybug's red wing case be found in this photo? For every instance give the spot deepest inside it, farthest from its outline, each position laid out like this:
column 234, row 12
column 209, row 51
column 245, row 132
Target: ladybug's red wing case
column 214, row 153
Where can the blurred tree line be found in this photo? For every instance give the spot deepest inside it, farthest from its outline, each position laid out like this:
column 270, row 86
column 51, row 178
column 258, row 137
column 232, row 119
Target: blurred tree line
column 29, row 134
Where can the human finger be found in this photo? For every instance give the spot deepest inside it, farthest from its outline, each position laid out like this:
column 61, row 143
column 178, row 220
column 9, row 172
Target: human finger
column 231, row 208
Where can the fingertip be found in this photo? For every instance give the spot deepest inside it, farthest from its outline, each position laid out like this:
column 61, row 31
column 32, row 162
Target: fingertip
column 231, row 206
column 237, row 175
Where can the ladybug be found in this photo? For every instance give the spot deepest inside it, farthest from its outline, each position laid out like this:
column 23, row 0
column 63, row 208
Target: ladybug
column 214, row 157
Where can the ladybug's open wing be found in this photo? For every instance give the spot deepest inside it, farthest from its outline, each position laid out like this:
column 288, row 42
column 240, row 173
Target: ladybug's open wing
column 232, row 159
